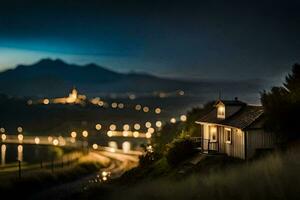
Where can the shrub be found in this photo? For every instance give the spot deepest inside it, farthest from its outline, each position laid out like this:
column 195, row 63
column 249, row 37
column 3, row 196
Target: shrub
column 178, row 150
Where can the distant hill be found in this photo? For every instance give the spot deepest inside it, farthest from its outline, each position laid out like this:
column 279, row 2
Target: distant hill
column 55, row 78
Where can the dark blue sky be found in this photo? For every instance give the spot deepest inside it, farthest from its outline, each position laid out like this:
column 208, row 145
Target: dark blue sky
column 206, row 39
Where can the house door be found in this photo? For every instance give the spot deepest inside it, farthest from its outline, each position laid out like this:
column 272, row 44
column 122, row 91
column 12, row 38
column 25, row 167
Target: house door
column 213, row 145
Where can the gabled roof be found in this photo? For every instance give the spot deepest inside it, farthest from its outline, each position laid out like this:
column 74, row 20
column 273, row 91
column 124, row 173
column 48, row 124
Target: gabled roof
column 238, row 114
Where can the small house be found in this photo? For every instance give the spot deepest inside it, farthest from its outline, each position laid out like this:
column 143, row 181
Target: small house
column 236, row 129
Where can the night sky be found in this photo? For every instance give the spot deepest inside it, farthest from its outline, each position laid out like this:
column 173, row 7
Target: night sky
column 204, row 39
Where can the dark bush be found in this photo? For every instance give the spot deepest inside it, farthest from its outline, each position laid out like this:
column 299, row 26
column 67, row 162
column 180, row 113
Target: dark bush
column 179, row 150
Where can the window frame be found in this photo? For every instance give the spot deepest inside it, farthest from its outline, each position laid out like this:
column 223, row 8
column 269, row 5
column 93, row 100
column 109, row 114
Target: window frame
column 215, row 133
column 228, row 130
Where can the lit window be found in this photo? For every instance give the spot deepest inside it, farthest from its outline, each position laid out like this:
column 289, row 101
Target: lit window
column 228, row 135
column 213, row 133
column 221, row 112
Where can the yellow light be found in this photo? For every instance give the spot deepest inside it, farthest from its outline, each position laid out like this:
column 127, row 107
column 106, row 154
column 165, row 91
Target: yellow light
column 98, row 127
column 112, row 127
column 126, row 127
column 46, row 101
column 20, row 137
column 20, row 129
column 20, row 148
column 148, row 135
column 101, row 103
column 109, row 133
column 148, row 124
column 157, row 110
column 136, row 134
column 95, row 146
column 132, row 96
column 181, row 92
column 183, row 118
column 138, row 107
column 158, row 124
column 73, row 134
column 104, row 178
column 126, row 146
column 125, row 133
column 37, row 140
column 113, row 150
column 114, row 105
column 173, row 120
column 3, row 137
column 55, row 142
column 72, row 140
column 151, row 130
column 3, row 148
column 121, row 105
column 85, row 133
column 146, row 109
column 104, row 173
column 137, row 126
column 50, row 139
column 2, row 130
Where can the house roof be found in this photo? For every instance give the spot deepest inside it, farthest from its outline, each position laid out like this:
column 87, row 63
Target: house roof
column 239, row 115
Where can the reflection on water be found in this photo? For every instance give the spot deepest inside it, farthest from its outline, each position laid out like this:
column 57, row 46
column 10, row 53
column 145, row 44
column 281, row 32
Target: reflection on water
column 3, row 152
column 20, row 153
column 126, row 146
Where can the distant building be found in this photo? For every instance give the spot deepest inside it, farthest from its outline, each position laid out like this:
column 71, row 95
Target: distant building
column 236, row 129
column 73, row 98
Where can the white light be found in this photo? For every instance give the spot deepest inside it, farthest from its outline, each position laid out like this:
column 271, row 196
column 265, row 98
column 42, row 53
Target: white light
column 95, row 146
column 121, row 105
column 125, row 133
column 20, row 129
column 138, row 107
column 98, row 127
column 146, row 109
column 136, row 134
column 104, row 173
column 157, row 110
column 3, row 137
column 183, row 118
column 158, row 124
column 114, row 105
column 85, row 133
column 2, row 130
column 37, row 140
column 126, row 127
column 112, row 127
column 55, row 142
column 46, row 101
column 20, row 137
column 137, row 126
column 148, row 135
column 73, row 134
column 173, row 120
column 148, row 124
column 150, row 130
column 109, row 133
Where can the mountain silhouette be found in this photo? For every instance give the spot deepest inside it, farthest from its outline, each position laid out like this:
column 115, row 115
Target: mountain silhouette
column 52, row 78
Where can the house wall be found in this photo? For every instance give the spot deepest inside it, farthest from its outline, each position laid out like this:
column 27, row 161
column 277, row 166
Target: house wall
column 235, row 149
column 258, row 139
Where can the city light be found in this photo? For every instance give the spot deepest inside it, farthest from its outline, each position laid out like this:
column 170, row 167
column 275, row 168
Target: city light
column 46, row 101
column 98, row 127
column 104, row 173
column 37, row 140
column 85, row 133
column 20, row 129
column 136, row 134
column 55, row 142
column 20, row 137
column 126, row 146
column 173, row 120
column 73, row 134
column 138, row 107
column 2, row 130
column 148, row 135
column 121, row 105
column 112, row 127
column 157, row 110
column 146, row 109
column 148, row 124
column 158, row 124
column 3, row 137
column 183, row 118
column 125, row 133
column 137, row 126
column 151, row 130
column 126, row 127
column 50, row 139
column 95, row 146
column 114, row 105
column 109, row 133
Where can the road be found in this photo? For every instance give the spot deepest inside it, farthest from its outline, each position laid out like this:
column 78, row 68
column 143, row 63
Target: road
column 118, row 164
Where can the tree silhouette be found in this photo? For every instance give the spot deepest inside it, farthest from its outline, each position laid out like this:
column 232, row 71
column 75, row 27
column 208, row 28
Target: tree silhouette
column 282, row 107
